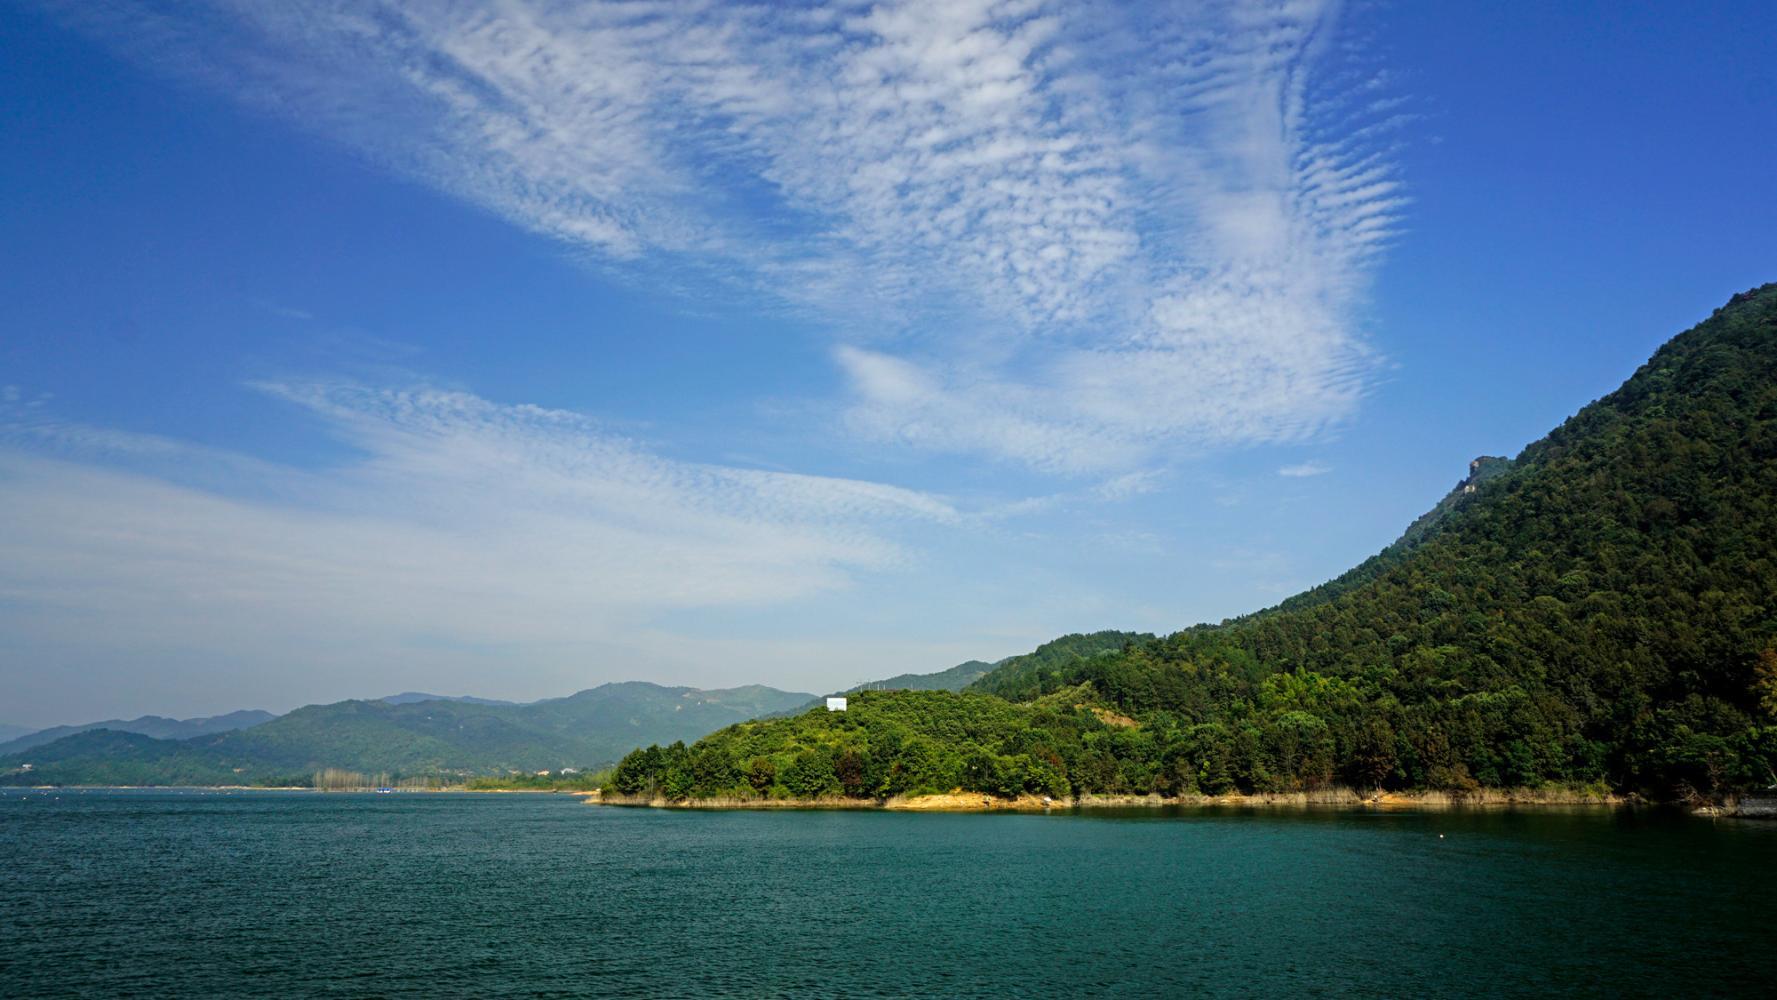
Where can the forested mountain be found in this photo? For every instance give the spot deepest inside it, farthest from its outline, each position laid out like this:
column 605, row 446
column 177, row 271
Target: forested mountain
column 1481, row 470
column 1601, row 611
column 1019, row 678
column 110, row 757
column 585, row 730
column 157, row 726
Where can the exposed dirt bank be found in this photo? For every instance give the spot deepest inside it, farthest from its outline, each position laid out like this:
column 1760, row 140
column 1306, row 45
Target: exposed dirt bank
column 960, row 801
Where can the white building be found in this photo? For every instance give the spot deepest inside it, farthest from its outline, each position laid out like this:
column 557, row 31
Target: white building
column 835, row 704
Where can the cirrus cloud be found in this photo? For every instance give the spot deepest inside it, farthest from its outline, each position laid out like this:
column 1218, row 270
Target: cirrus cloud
column 1079, row 237
column 460, row 518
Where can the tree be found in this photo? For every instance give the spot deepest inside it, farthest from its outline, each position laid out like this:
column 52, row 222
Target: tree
column 1764, row 682
column 761, row 774
column 849, row 769
column 1372, row 755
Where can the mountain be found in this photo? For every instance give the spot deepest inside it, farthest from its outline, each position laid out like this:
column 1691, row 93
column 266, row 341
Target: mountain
column 409, row 697
column 456, row 736
column 954, row 679
column 158, row 727
column 1481, row 470
column 1600, row 611
column 110, row 757
column 10, row 732
column 1017, row 677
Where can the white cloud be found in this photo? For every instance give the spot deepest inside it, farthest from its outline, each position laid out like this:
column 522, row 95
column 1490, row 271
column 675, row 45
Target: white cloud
column 1081, row 237
column 462, row 520
column 1303, row 470
column 1256, row 229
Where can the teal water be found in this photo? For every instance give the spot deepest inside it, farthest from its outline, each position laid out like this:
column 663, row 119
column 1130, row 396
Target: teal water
column 164, row 894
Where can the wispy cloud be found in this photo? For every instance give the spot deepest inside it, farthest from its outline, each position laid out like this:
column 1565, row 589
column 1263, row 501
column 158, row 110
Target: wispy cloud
column 461, row 519
column 1073, row 236
column 1303, row 470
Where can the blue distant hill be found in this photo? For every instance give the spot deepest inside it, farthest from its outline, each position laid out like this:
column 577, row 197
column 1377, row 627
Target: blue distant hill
column 409, row 734
column 410, row 697
column 156, row 726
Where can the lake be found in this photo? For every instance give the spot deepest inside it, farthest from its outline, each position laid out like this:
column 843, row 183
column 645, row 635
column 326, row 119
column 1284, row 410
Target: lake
column 208, row 893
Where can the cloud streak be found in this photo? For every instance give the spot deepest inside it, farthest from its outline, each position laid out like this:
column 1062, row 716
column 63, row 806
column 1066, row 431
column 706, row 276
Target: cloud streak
column 461, row 520
column 1078, row 237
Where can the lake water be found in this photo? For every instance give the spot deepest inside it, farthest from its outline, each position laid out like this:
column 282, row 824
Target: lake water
column 166, row 893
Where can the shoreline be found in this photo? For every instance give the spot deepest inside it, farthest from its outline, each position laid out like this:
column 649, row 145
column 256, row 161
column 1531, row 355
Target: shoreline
column 296, row 788
column 1754, row 805
column 975, row 802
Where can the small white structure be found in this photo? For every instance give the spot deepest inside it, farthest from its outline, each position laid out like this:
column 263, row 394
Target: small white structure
column 835, row 704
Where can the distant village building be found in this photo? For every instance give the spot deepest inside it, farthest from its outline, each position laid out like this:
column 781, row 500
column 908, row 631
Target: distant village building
column 835, row 704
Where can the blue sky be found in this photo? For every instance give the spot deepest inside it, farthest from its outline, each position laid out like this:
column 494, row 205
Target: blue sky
column 351, row 348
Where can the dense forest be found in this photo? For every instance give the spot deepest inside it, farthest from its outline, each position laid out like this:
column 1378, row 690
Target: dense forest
column 1600, row 611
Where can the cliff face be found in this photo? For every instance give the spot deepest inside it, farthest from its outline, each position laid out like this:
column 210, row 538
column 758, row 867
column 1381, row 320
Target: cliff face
column 1482, row 469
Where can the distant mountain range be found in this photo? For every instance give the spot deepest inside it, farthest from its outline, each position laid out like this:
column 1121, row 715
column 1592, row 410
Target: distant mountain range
column 14, row 739
column 409, row 697
column 155, row 726
column 463, row 736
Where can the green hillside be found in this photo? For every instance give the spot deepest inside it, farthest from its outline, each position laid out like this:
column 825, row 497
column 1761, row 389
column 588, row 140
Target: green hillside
column 1481, row 470
column 110, row 757
column 1601, row 611
column 1020, row 678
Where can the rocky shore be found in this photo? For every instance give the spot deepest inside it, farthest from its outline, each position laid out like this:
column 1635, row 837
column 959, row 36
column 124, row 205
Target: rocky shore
column 960, row 801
